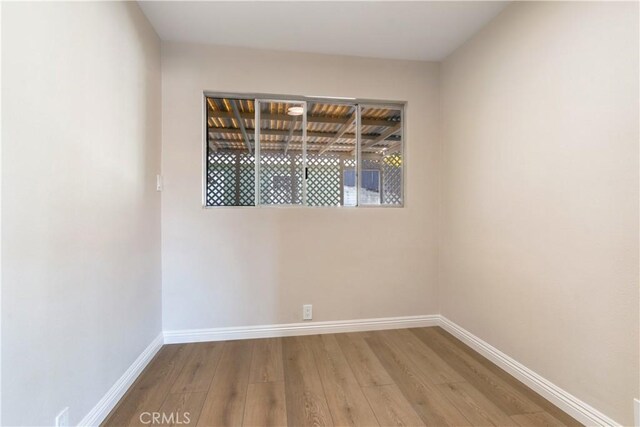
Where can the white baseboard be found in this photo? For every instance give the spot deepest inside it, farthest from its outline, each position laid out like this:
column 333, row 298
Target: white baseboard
column 292, row 329
column 99, row 412
column 570, row 404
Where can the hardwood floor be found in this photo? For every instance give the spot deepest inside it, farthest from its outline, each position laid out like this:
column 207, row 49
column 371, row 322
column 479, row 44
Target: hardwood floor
column 404, row 377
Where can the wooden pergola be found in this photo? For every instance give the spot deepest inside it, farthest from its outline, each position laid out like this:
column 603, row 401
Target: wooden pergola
column 331, row 128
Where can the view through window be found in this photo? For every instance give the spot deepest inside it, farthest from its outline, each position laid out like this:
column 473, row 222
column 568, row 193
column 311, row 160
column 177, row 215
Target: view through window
column 303, row 152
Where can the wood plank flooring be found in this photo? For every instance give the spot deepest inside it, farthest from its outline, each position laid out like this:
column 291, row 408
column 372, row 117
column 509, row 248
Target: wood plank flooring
column 403, row 377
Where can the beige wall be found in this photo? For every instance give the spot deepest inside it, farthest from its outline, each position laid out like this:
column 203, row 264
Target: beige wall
column 540, row 194
column 254, row 266
column 538, row 201
column 81, row 283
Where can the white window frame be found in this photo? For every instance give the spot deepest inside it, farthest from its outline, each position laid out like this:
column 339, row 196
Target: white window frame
column 264, row 97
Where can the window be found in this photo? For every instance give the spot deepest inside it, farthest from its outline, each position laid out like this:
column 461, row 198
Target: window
column 306, row 152
column 370, row 188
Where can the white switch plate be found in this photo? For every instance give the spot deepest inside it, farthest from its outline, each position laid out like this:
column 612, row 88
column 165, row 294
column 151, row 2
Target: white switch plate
column 307, row 312
column 62, row 419
column 158, row 182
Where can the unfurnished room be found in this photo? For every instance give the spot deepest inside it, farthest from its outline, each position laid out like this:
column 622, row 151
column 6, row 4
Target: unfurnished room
column 319, row 213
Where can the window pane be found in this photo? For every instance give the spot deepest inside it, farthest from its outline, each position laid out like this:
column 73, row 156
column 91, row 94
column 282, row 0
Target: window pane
column 281, row 152
column 381, row 159
column 230, row 152
column 316, row 170
column 370, row 187
column 331, row 154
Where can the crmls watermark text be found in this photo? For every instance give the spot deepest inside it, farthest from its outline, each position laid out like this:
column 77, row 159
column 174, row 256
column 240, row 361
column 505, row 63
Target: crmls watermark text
column 172, row 418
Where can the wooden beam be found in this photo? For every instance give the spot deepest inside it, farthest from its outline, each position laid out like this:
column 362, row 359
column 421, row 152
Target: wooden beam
column 311, row 147
column 346, row 125
column 384, row 135
column 288, row 118
column 225, row 143
column 392, row 149
column 213, row 145
column 288, row 138
column 277, row 132
column 341, row 154
column 240, row 120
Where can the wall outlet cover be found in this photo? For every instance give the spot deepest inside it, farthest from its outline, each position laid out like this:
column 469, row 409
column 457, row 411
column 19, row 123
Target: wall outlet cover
column 307, row 312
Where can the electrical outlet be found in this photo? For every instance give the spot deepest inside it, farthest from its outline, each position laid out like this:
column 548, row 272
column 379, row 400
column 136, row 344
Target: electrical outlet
column 307, row 312
column 62, row 419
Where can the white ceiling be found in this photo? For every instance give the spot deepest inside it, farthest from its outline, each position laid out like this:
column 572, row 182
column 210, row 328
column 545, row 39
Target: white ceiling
column 394, row 29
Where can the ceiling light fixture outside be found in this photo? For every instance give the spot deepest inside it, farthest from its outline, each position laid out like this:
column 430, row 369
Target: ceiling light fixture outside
column 295, row 111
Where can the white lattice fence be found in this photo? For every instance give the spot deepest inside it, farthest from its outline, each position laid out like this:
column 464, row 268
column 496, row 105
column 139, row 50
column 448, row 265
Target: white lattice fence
column 221, row 179
column 247, row 181
column 390, row 169
column 230, row 179
column 392, row 180
column 323, row 180
column 280, row 179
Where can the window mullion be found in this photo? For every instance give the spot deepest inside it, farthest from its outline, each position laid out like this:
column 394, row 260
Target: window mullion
column 358, row 153
column 256, row 151
column 304, row 155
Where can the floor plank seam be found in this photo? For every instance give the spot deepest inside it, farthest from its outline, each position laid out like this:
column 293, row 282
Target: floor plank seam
column 333, row 379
